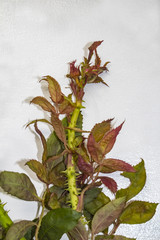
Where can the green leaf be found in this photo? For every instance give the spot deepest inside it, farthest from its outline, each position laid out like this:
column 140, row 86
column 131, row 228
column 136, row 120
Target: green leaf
column 138, row 212
column 54, row 145
column 78, row 232
column 18, row 230
column 91, row 194
column 1, row 233
column 137, row 180
column 95, row 204
column 55, row 149
column 88, row 217
column 106, row 215
column 43, row 103
column 56, row 175
column 18, row 185
column 39, row 169
column 100, row 129
column 54, row 89
column 57, row 190
column 31, row 232
column 65, row 122
column 57, row 222
column 115, row 237
column 53, row 202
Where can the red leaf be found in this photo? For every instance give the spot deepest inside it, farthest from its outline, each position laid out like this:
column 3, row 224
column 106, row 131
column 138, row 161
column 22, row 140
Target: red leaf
column 43, row 103
column 94, row 149
column 84, row 167
column 58, row 127
column 99, row 79
column 43, row 140
column 92, row 48
column 74, row 71
column 100, row 129
column 110, row 183
column 65, row 107
column 107, row 142
column 97, row 59
column 117, row 165
column 79, row 232
column 54, row 89
column 107, row 215
column 38, row 120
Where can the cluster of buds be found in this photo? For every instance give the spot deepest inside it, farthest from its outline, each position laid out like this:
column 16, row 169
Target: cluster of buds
column 86, row 72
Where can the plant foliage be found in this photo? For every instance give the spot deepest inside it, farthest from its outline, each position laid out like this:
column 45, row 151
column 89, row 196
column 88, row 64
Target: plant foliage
column 74, row 170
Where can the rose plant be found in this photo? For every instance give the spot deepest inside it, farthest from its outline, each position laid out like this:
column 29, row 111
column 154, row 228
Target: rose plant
column 74, row 170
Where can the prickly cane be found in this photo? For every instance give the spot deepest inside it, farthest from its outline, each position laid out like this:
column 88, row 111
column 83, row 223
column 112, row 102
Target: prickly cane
column 71, row 174
column 5, row 220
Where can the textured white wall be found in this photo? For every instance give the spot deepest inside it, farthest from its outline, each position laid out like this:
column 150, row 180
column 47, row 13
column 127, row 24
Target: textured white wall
column 40, row 37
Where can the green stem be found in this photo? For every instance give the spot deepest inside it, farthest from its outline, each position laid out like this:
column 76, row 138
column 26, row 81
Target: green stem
column 71, row 174
column 41, row 216
column 71, row 133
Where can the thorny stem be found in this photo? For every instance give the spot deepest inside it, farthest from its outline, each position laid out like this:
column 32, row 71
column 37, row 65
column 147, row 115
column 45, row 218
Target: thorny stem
column 71, row 174
column 71, row 133
column 5, row 220
column 72, row 182
column 41, row 216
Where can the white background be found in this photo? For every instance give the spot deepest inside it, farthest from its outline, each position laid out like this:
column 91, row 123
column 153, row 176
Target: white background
column 39, row 38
